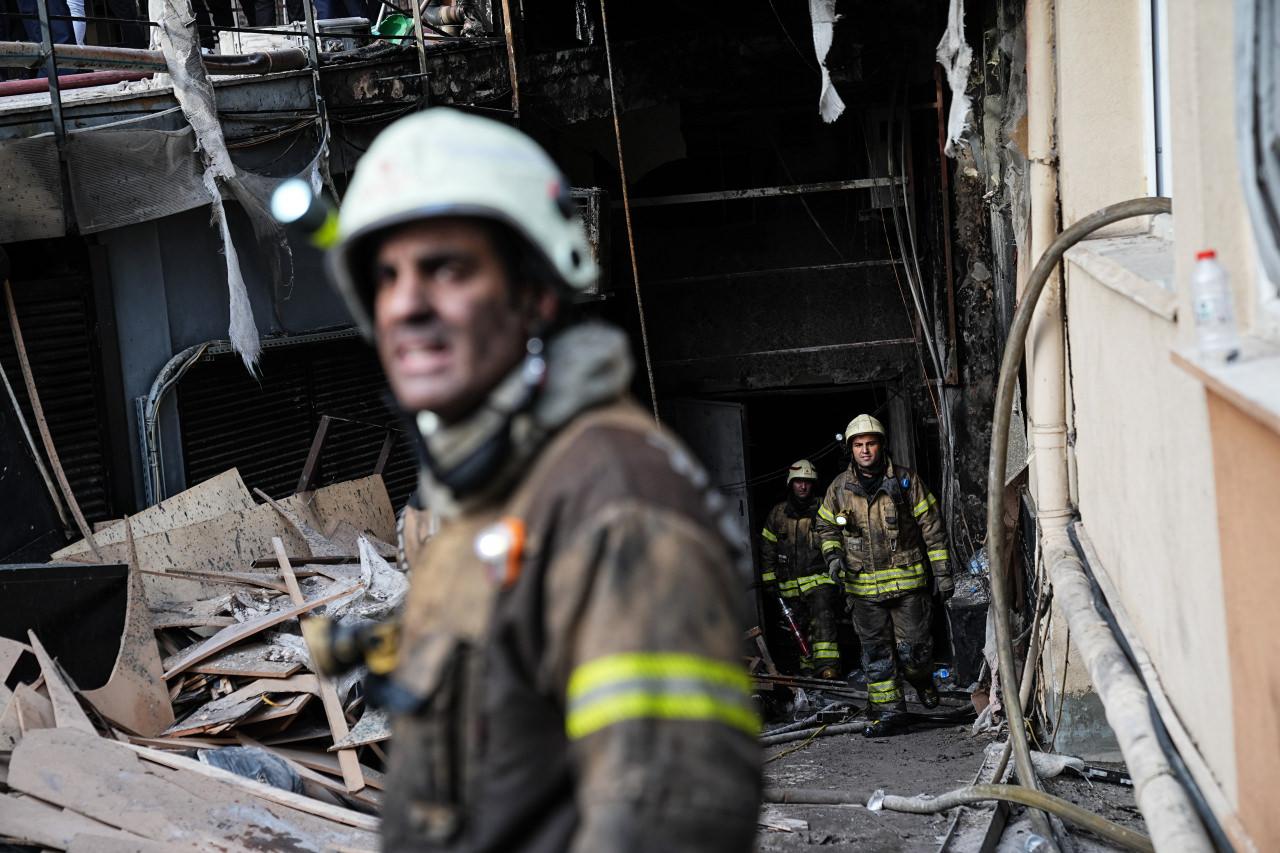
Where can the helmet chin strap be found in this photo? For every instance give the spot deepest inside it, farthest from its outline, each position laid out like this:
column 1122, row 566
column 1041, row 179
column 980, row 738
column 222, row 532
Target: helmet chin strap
column 478, row 467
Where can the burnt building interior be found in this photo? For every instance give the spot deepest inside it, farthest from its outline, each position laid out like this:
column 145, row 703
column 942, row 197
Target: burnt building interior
column 778, row 273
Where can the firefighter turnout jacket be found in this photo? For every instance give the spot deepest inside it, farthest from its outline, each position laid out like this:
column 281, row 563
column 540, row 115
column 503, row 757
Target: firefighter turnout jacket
column 892, row 540
column 573, row 636
column 790, row 550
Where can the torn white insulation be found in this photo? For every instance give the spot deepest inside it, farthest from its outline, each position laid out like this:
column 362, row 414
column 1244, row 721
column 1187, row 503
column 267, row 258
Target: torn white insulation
column 194, row 92
column 956, row 56
column 822, row 14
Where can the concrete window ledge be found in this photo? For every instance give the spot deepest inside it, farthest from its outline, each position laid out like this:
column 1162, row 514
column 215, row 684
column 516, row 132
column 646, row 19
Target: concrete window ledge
column 1139, row 267
column 1252, row 385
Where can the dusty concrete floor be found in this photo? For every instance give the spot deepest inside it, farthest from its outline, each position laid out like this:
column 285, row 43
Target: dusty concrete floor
column 923, row 762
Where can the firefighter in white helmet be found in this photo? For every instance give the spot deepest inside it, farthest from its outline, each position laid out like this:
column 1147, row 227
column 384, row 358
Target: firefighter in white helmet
column 794, row 569
column 884, row 540
column 570, row 674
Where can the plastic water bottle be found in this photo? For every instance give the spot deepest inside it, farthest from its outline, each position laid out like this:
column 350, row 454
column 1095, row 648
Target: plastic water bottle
column 1216, row 332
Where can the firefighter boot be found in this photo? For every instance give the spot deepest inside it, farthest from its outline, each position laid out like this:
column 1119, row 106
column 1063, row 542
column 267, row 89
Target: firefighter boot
column 928, row 696
column 890, row 723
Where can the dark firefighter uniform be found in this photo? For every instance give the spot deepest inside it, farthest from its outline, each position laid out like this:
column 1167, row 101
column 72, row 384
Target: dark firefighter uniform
column 791, row 553
column 573, row 638
column 893, row 542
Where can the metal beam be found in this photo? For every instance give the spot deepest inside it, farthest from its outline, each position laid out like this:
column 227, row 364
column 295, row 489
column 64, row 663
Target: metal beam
column 690, row 279
column 792, row 351
column 765, row 192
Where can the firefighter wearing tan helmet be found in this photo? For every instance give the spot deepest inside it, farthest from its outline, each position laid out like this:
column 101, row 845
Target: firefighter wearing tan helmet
column 794, row 569
column 569, row 674
column 884, row 541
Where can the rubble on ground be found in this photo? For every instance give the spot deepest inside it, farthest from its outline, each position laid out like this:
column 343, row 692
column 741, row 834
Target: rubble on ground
column 213, row 731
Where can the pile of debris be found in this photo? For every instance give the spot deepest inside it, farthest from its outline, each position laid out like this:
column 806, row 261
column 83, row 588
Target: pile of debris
column 208, row 733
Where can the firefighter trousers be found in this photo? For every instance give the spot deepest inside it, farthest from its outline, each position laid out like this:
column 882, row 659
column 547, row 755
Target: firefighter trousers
column 897, row 645
column 822, row 608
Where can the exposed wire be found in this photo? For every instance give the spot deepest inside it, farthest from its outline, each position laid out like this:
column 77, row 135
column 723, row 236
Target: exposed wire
column 810, row 739
column 626, row 210
column 787, row 35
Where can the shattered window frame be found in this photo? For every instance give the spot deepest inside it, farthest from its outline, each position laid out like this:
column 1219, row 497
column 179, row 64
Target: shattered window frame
column 1258, row 141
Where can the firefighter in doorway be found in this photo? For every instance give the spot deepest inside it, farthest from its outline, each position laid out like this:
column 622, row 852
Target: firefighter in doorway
column 569, row 673
column 883, row 538
column 794, row 569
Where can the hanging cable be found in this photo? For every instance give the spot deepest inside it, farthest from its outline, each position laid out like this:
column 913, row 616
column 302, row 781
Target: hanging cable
column 626, row 211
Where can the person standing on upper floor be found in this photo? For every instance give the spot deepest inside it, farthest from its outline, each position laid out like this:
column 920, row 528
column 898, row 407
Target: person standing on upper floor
column 794, row 569
column 884, row 540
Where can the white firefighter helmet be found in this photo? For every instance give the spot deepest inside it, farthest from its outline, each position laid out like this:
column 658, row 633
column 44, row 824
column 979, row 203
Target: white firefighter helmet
column 863, row 425
column 442, row 162
column 802, row 470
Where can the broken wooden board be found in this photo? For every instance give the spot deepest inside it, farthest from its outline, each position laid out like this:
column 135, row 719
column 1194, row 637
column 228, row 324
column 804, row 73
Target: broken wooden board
column 327, row 763
column 252, row 660
column 107, row 781
column 134, row 696
column 372, row 727
column 34, row 710
column 234, row 707
column 328, row 693
column 10, row 725
column 233, row 634
column 363, row 503
column 232, row 541
column 31, row 821
column 67, row 712
column 97, row 843
column 283, row 711
column 210, row 499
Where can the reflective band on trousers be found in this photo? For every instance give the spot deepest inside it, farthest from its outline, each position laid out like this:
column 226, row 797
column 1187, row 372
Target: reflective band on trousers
column 925, row 503
column 826, row 651
column 809, row 582
column 879, row 581
column 769, row 534
column 939, row 554
column 658, row 686
column 884, row 692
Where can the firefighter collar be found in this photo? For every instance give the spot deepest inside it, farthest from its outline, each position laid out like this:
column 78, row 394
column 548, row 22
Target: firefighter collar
column 469, row 463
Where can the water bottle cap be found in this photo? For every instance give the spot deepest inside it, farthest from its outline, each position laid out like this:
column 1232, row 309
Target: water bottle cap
column 1205, row 254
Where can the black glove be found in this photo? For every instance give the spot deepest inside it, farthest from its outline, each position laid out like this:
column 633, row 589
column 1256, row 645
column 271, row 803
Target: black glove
column 945, row 586
column 837, row 568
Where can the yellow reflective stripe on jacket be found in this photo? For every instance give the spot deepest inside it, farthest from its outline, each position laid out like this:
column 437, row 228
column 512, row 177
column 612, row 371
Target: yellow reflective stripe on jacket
column 939, row 554
column 768, row 577
column 789, row 589
column 809, row 582
column 826, row 650
column 769, row 534
column 884, row 692
column 878, row 581
column 925, row 504
column 829, row 545
column 826, row 515
column 658, row 686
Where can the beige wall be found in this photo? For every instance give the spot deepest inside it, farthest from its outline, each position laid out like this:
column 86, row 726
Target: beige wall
column 1143, row 460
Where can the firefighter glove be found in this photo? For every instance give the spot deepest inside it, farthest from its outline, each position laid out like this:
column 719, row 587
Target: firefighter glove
column 945, row 585
column 837, row 568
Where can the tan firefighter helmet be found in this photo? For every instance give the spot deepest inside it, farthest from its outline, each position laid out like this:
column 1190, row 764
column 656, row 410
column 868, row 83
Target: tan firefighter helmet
column 802, row 470
column 863, row 425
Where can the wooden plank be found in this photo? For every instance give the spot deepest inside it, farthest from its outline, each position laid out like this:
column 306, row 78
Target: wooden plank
column 210, row 499
column 333, row 712
column 134, row 696
column 67, row 712
column 10, row 651
column 346, row 817
column 10, row 725
column 201, row 805
column 362, row 502
column 280, row 712
column 255, row 579
column 30, row 821
column 248, row 661
column 235, row 633
column 328, row 763
column 317, row 544
column 34, row 710
column 95, row 842
column 33, row 397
